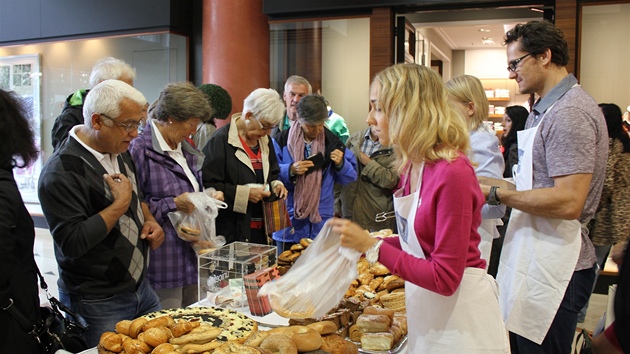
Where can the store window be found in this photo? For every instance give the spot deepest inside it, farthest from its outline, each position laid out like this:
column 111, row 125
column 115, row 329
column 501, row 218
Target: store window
column 46, row 74
column 333, row 55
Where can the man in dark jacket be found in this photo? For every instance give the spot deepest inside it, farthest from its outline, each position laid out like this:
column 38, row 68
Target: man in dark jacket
column 72, row 113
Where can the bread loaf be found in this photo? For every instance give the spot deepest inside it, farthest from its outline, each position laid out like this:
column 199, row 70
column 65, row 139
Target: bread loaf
column 373, row 323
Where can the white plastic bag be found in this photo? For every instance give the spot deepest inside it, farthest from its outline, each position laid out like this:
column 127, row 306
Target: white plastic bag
column 317, row 281
column 197, row 227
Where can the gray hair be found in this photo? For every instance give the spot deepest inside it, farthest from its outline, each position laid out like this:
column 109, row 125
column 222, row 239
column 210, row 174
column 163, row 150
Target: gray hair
column 111, row 68
column 106, row 97
column 264, row 103
column 181, row 101
column 297, row 80
column 312, row 110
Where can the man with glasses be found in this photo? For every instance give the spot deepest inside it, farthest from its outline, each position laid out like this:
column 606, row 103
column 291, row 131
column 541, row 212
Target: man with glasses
column 101, row 228
column 546, row 270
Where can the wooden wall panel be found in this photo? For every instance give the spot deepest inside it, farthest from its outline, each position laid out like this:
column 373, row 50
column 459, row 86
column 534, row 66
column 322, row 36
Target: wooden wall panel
column 566, row 21
column 381, row 39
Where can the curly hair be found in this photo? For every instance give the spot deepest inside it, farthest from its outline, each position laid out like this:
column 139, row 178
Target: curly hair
column 17, row 145
column 538, row 36
column 422, row 125
column 218, row 98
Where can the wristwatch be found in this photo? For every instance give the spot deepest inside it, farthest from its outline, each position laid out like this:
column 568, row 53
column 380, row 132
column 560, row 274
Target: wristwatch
column 372, row 254
column 493, row 199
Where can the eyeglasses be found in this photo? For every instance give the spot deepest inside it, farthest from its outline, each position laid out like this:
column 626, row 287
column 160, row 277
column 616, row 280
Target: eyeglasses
column 129, row 127
column 265, row 127
column 514, row 63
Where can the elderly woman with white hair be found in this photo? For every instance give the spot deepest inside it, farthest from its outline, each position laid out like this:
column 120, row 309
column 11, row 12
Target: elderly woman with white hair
column 241, row 162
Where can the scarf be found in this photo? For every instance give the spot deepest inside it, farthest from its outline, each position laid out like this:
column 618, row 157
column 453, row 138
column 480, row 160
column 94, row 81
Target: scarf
column 308, row 186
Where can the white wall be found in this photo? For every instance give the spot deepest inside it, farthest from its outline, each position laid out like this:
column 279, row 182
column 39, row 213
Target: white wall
column 346, row 69
column 605, row 53
column 486, row 63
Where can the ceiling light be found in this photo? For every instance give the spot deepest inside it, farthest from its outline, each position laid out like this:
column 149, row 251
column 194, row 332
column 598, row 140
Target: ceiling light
column 536, row 9
column 487, row 40
column 484, row 30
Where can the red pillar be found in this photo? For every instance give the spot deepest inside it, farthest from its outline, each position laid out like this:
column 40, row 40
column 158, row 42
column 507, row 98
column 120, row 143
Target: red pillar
column 235, row 47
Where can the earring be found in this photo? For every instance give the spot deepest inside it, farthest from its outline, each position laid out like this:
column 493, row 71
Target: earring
column 246, row 121
column 170, row 122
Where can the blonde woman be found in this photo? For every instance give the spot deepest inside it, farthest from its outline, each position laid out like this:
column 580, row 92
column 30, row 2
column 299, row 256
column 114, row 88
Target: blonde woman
column 452, row 304
column 468, row 97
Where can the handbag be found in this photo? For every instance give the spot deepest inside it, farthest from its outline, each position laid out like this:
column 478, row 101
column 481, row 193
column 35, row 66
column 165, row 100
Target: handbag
column 276, row 215
column 54, row 330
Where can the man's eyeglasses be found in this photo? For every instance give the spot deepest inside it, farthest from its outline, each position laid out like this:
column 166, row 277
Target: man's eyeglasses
column 265, row 127
column 514, row 63
column 129, row 127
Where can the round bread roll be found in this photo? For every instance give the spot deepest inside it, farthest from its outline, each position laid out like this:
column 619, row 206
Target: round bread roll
column 111, row 341
column 122, row 327
column 305, row 338
column 256, row 338
column 155, row 336
column 297, row 247
column 305, row 242
column 279, row 343
column 284, row 256
column 324, row 327
column 135, row 327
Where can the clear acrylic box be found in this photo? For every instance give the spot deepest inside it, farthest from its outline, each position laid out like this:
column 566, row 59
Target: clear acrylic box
column 221, row 272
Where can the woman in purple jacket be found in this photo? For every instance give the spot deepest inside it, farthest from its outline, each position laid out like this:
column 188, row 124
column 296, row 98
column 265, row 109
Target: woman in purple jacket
column 168, row 168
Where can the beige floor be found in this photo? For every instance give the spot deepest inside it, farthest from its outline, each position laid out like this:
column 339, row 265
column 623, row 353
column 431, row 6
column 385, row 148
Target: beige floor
column 44, row 256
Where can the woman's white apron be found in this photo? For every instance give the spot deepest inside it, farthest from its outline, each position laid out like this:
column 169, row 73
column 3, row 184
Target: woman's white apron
column 469, row 321
column 538, row 258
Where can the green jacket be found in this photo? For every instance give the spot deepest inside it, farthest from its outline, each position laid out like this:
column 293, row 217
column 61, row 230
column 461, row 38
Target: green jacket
column 371, row 193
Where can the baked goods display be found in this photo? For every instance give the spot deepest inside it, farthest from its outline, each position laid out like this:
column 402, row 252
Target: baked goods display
column 288, row 257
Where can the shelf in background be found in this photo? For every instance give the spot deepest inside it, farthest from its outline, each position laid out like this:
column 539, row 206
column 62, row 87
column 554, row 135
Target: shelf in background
column 495, row 116
column 498, row 99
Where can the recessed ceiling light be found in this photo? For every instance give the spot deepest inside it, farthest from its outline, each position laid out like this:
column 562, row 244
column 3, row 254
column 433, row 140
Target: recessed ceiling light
column 487, row 40
column 484, row 30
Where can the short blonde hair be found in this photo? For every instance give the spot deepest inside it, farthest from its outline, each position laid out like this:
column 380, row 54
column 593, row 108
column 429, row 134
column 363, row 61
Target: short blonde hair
column 467, row 88
column 422, row 125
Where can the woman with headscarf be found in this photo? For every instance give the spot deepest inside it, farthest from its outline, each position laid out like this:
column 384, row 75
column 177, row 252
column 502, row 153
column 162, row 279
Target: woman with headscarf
column 312, row 159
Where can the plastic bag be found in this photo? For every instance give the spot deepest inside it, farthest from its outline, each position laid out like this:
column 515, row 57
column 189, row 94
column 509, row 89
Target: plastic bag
column 317, row 281
column 197, row 227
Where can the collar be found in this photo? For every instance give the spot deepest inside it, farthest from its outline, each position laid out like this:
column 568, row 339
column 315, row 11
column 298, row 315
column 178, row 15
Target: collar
column 109, row 158
column 558, row 91
column 367, row 136
column 161, row 141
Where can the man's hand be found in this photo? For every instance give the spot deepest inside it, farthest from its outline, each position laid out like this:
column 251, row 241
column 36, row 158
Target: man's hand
column 153, row 233
column 337, row 157
column 120, row 187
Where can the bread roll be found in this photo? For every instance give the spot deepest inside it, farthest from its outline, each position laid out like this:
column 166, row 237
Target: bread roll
column 112, row 342
column 324, row 327
column 155, row 336
column 373, row 323
column 122, row 327
column 135, row 327
column 372, row 310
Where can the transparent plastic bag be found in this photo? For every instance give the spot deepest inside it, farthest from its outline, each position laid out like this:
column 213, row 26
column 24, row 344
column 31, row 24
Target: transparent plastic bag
column 197, row 227
column 317, row 281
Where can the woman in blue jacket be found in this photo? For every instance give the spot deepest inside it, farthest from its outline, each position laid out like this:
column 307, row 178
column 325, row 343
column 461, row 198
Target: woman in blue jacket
column 312, row 159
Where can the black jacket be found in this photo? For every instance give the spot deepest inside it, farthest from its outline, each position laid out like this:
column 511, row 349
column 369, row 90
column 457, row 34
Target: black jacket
column 71, row 115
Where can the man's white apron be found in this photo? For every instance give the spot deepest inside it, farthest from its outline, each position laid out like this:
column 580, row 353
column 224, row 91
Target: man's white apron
column 538, row 258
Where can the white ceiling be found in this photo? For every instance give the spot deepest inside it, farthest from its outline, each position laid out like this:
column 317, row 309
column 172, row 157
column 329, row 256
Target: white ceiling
column 474, row 36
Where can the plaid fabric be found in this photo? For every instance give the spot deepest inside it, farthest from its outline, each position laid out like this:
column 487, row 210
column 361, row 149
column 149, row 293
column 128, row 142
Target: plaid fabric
column 276, row 216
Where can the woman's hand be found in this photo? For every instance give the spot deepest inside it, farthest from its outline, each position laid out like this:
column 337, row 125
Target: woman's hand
column 218, row 195
column 280, row 191
column 257, row 194
column 337, row 157
column 352, row 235
column 300, row 167
column 182, row 203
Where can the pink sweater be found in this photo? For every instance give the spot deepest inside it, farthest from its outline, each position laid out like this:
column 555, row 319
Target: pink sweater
column 446, row 226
